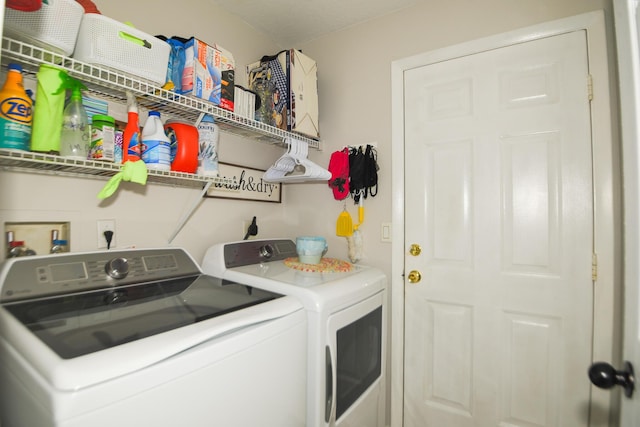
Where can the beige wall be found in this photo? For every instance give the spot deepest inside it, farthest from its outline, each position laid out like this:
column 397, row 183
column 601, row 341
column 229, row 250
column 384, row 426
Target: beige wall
column 355, row 94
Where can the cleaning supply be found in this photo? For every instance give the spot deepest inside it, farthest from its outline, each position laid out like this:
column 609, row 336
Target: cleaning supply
column 208, row 139
column 131, row 136
column 15, row 112
column 102, row 138
column 76, row 132
column 344, row 224
column 130, row 171
column 47, row 116
column 156, row 149
column 184, row 146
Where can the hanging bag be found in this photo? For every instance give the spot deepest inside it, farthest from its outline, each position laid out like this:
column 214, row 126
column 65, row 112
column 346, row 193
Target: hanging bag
column 370, row 171
column 339, row 168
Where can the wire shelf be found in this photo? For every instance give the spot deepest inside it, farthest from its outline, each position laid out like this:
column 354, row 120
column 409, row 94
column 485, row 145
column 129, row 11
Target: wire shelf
column 113, row 84
column 14, row 160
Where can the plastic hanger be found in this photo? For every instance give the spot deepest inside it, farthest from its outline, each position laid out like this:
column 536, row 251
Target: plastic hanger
column 283, row 170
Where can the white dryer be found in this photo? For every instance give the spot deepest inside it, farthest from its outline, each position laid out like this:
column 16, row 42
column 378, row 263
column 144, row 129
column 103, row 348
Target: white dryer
column 141, row 337
column 347, row 324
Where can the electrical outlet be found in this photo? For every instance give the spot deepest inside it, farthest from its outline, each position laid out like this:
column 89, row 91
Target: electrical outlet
column 106, row 225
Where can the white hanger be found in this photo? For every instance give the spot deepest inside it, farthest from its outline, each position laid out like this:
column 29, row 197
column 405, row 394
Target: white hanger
column 296, row 155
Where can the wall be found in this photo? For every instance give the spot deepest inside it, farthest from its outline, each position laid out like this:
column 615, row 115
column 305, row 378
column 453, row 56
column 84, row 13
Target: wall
column 354, row 84
column 354, row 90
column 147, row 216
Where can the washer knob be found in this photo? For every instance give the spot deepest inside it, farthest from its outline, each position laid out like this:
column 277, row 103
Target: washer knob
column 266, row 251
column 117, row 268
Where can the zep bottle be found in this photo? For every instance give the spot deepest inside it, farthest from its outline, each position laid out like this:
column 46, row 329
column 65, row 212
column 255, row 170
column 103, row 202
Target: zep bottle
column 15, row 112
column 156, row 147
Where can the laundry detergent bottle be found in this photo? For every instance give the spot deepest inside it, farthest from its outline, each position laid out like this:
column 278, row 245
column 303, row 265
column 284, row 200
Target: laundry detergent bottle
column 156, row 147
column 15, row 112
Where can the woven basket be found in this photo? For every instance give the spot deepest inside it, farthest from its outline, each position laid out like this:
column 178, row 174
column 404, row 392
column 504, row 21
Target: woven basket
column 107, row 42
column 54, row 26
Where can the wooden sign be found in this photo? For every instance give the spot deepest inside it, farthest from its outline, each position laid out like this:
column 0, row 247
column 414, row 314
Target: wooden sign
column 246, row 184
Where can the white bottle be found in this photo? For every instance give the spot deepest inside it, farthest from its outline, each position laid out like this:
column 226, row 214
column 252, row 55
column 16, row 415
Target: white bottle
column 156, row 147
column 208, row 138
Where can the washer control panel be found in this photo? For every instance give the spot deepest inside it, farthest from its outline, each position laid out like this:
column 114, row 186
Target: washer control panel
column 39, row 276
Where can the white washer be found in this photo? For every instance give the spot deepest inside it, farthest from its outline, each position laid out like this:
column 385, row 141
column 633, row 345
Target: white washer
column 347, row 326
column 141, row 337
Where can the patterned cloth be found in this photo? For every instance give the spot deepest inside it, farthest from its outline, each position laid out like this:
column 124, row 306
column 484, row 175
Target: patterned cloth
column 327, row 265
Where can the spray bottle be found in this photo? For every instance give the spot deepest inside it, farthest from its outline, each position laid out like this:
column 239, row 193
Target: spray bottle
column 75, row 138
column 47, row 116
column 131, row 136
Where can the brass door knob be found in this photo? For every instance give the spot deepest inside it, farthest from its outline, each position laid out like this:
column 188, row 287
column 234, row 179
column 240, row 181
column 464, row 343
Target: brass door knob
column 415, row 250
column 415, row 276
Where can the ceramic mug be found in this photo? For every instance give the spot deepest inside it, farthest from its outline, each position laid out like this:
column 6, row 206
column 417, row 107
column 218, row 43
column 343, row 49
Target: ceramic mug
column 311, row 249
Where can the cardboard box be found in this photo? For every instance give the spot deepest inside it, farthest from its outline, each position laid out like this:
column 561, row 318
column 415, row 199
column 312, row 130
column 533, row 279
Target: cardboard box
column 209, row 73
column 287, row 84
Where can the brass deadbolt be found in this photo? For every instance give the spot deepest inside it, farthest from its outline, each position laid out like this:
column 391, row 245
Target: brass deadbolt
column 415, row 250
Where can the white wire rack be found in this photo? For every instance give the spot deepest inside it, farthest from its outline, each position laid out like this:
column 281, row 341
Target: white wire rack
column 14, row 160
column 113, row 84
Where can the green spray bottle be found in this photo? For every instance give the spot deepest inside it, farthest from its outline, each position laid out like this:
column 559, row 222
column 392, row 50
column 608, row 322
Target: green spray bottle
column 75, row 137
column 48, row 110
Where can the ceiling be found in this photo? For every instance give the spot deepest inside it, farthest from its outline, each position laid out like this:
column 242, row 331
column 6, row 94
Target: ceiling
column 291, row 22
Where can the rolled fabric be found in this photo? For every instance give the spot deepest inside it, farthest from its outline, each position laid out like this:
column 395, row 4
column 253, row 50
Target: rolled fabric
column 130, row 171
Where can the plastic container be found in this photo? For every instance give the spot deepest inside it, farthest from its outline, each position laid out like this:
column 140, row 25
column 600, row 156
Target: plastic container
column 131, row 136
column 184, row 146
column 105, row 41
column 208, row 138
column 75, row 138
column 47, row 117
column 53, row 27
column 155, row 147
column 102, row 138
column 15, row 112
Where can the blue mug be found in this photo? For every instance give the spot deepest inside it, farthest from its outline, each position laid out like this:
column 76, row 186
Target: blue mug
column 311, row 249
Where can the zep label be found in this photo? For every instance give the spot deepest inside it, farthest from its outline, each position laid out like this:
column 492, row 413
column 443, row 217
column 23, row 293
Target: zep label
column 15, row 123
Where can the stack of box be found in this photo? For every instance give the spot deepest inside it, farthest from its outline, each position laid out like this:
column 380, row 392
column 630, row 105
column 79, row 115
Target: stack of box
column 208, row 73
column 287, row 85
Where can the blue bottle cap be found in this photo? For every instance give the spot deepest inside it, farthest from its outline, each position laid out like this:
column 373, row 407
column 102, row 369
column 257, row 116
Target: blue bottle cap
column 14, row 66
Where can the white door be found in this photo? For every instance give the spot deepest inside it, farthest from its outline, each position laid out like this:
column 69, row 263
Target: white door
column 498, row 176
column 627, row 18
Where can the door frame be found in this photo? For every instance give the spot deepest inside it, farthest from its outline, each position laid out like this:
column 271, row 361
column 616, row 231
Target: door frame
column 607, row 333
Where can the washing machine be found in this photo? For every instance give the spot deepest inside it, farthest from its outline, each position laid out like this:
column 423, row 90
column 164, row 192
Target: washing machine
column 142, row 337
column 347, row 334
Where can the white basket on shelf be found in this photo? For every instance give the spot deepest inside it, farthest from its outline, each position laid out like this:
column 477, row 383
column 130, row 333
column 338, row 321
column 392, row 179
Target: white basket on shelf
column 107, row 42
column 54, row 26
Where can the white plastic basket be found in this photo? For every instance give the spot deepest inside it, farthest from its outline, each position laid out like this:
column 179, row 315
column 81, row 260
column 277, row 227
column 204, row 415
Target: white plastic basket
column 105, row 41
column 54, row 26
